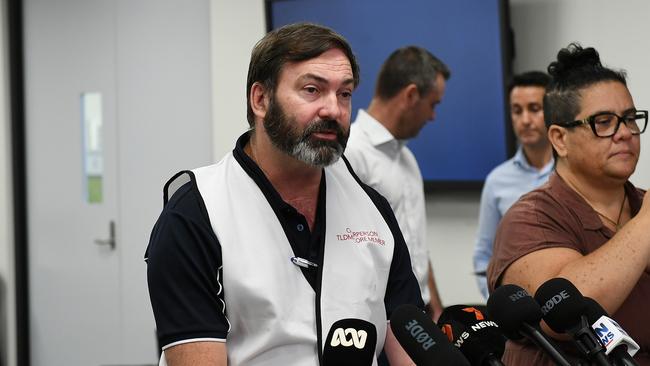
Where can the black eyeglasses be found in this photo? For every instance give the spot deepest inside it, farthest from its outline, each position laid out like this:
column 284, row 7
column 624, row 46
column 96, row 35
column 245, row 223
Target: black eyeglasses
column 606, row 124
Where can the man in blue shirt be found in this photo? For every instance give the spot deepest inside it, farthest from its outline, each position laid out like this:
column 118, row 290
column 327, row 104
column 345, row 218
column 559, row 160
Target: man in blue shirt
column 528, row 169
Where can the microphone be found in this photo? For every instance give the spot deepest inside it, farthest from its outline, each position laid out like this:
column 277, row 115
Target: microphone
column 518, row 315
column 422, row 340
column 619, row 346
column 563, row 309
column 350, row 342
column 477, row 337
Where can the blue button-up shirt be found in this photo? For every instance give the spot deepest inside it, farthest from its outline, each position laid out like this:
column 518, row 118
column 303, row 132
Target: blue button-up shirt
column 503, row 187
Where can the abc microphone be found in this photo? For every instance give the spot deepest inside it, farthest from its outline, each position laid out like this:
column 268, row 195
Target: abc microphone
column 477, row 337
column 563, row 308
column 619, row 346
column 350, row 342
column 518, row 315
column 422, row 340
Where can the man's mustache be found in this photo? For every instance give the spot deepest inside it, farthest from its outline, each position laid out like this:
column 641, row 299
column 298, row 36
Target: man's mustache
column 324, row 125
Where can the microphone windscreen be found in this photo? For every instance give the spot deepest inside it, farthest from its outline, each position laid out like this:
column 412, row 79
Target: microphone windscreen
column 421, row 338
column 511, row 306
column 473, row 333
column 350, row 342
column 562, row 304
column 593, row 310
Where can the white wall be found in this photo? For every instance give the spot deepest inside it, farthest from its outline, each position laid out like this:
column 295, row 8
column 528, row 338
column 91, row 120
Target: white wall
column 235, row 28
column 452, row 219
column 7, row 285
column 617, row 29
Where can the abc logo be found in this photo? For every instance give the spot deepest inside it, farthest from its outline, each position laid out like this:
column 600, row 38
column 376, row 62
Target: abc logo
column 348, row 337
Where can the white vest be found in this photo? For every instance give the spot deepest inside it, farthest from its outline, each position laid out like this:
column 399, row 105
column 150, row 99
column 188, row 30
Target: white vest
column 272, row 309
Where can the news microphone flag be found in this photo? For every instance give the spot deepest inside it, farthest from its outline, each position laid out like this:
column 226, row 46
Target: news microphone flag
column 350, row 342
column 619, row 346
column 478, row 338
column 611, row 335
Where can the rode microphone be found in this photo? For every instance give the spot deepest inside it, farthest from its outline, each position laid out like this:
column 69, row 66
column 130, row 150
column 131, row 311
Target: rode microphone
column 477, row 337
column 518, row 316
column 422, row 340
column 350, row 342
column 563, row 308
column 619, row 346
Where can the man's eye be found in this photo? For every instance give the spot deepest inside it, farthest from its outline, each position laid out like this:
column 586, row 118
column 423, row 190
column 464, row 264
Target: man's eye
column 311, row 89
column 346, row 95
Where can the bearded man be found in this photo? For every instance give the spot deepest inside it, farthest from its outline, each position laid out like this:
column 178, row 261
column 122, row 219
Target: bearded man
column 257, row 257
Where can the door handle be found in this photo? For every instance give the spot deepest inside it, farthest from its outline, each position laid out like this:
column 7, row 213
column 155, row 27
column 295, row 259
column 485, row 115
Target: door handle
column 111, row 238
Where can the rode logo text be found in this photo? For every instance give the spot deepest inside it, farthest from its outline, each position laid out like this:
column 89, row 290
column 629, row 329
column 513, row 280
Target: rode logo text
column 419, row 334
column 518, row 295
column 556, row 299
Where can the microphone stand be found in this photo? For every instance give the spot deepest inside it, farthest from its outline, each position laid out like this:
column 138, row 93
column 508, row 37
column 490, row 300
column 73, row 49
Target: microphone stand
column 588, row 344
column 545, row 344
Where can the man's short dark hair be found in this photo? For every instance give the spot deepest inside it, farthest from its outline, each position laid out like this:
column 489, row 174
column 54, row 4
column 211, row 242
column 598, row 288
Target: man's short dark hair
column 291, row 43
column 529, row 78
column 409, row 65
column 575, row 69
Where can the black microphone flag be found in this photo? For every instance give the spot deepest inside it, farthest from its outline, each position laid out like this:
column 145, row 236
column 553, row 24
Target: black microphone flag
column 350, row 342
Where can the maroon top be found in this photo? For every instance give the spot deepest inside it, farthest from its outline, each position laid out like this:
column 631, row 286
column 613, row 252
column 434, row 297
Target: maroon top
column 552, row 216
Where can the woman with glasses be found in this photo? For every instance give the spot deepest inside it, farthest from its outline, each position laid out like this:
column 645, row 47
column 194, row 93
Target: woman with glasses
column 588, row 224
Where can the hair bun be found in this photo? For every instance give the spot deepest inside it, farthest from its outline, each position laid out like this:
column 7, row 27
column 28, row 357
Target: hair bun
column 573, row 57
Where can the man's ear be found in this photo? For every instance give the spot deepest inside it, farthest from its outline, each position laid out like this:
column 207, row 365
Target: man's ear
column 558, row 137
column 410, row 95
column 259, row 98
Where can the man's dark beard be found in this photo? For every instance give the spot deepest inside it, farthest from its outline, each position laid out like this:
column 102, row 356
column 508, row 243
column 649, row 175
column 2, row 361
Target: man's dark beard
column 283, row 133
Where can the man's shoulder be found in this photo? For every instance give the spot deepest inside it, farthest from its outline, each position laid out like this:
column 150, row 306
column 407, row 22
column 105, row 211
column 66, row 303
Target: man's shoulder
column 360, row 152
column 183, row 196
column 359, row 138
column 504, row 168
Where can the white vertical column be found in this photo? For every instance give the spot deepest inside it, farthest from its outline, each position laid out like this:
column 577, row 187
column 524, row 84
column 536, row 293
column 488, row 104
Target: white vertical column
column 235, row 27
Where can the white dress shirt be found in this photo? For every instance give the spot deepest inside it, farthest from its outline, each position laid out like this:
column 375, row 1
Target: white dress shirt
column 388, row 166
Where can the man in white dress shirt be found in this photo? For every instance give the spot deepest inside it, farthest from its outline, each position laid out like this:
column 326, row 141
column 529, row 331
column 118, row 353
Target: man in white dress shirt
column 409, row 86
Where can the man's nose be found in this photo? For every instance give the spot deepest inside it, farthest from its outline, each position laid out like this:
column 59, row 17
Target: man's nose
column 330, row 108
column 526, row 117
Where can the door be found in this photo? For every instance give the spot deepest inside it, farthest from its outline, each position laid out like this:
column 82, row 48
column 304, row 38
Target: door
column 117, row 100
column 74, row 284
